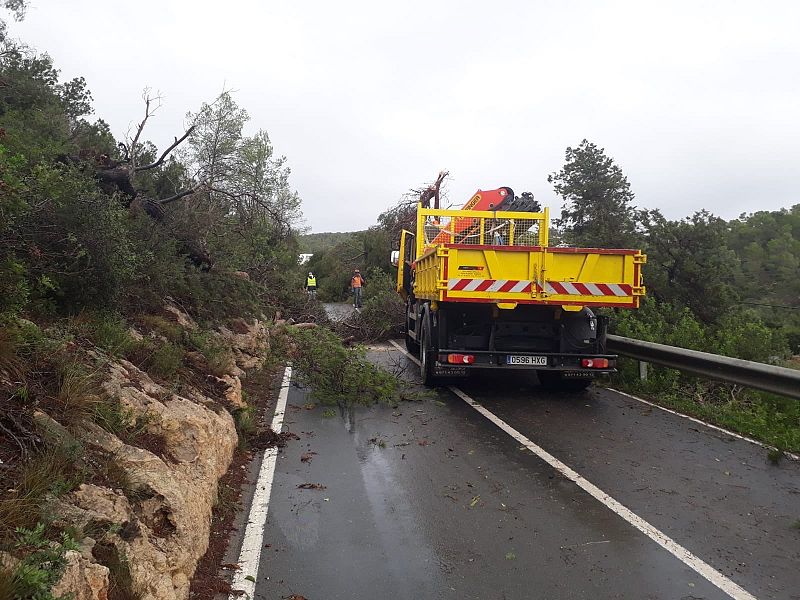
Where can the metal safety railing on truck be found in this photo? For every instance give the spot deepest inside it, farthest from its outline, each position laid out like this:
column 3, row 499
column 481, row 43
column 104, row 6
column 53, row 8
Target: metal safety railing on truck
column 504, row 257
column 478, row 228
column 769, row 378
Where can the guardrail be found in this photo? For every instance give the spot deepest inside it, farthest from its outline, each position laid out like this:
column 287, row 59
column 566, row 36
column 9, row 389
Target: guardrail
column 770, row 378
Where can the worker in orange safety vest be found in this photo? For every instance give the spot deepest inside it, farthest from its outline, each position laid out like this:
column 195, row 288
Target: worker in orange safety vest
column 356, row 285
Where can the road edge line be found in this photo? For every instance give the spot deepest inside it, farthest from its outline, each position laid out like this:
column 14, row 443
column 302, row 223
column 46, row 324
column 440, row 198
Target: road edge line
column 705, row 423
column 695, row 563
column 244, row 579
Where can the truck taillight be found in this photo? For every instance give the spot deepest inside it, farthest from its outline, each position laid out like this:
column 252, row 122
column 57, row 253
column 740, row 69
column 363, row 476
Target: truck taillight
column 594, row 363
column 460, row 359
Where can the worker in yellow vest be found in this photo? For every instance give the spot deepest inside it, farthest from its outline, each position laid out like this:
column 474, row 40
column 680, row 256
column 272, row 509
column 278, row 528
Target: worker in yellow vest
column 311, row 285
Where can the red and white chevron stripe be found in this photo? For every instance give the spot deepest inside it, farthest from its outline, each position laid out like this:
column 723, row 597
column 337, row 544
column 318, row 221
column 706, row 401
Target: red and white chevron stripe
column 561, row 288
column 573, row 288
column 489, row 285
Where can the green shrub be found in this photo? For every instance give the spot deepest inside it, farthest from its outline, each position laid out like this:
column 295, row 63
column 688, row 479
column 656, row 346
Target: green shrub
column 172, row 331
column 218, row 355
column 14, row 288
column 42, row 566
column 159, row 359
column 742, row 334
column 383, row 314
column 246, row 425
column 112, row 416
column 337, row 374
column 109, row 331
column 165, row 360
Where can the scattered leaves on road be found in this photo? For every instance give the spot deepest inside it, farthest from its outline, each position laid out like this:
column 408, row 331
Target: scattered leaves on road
column 311, row 486
column 307, row 456
column 475, row 500
column 510, row 556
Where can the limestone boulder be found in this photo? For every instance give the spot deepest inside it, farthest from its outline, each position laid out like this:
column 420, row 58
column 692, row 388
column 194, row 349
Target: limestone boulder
column 83, row 579
column 177, row 315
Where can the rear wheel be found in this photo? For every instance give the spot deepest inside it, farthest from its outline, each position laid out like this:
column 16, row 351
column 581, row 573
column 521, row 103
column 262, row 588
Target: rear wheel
column 555, row 382
column 426, row 353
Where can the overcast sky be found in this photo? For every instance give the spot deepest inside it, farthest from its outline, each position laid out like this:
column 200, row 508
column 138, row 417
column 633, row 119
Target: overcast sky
column 698, row 102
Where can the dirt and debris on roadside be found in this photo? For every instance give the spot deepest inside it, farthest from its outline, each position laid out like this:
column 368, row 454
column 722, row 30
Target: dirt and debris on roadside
column 269, row 438
column 212, row 577
column 311, row 486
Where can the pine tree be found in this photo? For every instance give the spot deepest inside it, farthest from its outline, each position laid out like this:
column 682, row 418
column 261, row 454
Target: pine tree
column 598, row 210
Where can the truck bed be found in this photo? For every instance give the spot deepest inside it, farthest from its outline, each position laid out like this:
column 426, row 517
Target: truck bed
column 519, row 269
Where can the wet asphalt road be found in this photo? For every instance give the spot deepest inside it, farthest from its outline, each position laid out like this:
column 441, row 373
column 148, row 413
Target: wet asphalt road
column 430, row 500
column 338, row 311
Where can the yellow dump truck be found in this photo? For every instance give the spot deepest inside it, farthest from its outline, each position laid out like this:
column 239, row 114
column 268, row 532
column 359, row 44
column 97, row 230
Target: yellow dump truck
column 484, row 289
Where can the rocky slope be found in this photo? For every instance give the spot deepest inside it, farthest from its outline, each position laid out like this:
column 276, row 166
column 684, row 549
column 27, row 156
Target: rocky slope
column 153, row 520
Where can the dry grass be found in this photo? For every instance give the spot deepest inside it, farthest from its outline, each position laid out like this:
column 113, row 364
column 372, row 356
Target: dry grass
column 9, row 587
column 161, row 326
column 51, row 471
column 9, row 361
column 76, row 398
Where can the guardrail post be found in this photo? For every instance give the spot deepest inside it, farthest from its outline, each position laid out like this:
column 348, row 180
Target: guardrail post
column 642, row 370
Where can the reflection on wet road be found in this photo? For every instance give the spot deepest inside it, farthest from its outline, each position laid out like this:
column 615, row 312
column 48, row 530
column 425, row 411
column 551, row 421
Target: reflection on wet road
column 430, row 500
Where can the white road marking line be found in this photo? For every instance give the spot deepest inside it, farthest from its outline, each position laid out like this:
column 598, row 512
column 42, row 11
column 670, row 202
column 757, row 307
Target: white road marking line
column 685, row 556
column 660, row 538
column 404, row 351
column 244, row 579
column 700, row 422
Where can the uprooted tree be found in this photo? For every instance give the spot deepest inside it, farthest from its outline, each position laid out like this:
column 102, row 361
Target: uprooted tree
column 224, row 176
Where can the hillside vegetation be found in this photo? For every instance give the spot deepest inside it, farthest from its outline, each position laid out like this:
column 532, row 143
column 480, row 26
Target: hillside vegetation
column 135, row 285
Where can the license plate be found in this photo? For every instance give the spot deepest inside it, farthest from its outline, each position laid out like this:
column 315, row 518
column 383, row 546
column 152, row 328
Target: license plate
column 535, row 361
